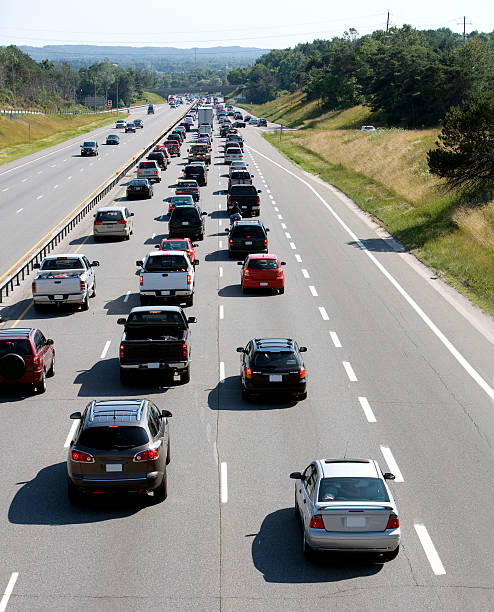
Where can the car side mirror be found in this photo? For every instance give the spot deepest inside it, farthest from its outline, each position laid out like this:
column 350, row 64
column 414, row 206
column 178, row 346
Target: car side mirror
column 296, row 476
column 139, row 263
column 204, row 212
column 49, row 341
column 303, row 349
column 195, row 245
column 251, row 176
column 165, row 414
column 240, row 263
column 227, row 230
column 389, row 476
column 76, row 415
column 283, row 263
column 191, row 320
column 259, row 191
column 94, row 264
column 195, row 262
column 267, row 229
column 121, row 321
column 36, row 266
column 131, row 214
column 156, row 246
column 240, row 349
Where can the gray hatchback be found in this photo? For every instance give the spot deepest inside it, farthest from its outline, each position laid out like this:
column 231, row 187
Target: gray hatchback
column 119, row 445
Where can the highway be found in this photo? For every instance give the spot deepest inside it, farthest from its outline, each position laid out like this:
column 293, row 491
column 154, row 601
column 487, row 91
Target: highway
column 399, row 369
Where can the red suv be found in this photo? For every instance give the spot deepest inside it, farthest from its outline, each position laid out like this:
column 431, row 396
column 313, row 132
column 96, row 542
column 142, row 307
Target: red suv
column 26, row 356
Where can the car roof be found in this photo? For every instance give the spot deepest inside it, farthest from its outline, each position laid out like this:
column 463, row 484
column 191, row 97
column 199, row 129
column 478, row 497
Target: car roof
column 267, row 344
column 110, row 208
column 17, row 333
column 156, row 307
column 168, row 252
column 125, row 411
column 249, row 222
column 358, row 468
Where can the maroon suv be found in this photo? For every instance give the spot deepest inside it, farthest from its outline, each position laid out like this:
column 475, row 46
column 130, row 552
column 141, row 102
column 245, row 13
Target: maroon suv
column 26, row 357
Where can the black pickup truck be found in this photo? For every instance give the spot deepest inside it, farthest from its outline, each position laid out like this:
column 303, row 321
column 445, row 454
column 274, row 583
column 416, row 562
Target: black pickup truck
column 247, row 199
column 155, row 339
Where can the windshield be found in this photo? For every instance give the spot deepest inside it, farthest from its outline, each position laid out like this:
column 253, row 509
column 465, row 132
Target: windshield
column 352, row 489
column 275, row 360
column 263, row 264
column 62, row 263
column 89, row 143
column 110, row 438
column 160, row 263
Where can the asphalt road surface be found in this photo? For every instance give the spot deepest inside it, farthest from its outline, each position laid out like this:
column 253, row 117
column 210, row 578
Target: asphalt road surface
column 399, row 369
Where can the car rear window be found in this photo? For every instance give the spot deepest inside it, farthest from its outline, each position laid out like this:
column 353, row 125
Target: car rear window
column 155, row 316
column 20, row 347
column 182, row 200
column 352, row 489
column 187, row 185
column 109, row 438
column 248, row 231
column 160, row 263
column 240, row 175
column 183, row 213
column 66, row 263
column 263, row 264
column 138, row 182
column 174, row 245
column 244, row 190
column 275, row 359
column 109, row 215
column 148, row 164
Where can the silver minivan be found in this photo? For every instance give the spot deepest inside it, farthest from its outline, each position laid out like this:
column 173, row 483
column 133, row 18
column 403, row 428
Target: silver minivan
column 113, row 221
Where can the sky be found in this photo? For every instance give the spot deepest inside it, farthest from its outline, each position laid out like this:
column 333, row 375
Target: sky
column 268, row 24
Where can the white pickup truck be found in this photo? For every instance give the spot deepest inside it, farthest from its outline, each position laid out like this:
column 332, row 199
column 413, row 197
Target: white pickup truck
column 64, row 279
column 166, row 276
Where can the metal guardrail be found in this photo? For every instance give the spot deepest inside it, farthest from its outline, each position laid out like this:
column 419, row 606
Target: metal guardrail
column 15, row 279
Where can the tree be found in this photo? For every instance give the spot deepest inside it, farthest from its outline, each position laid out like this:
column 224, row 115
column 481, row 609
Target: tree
column 465, row 147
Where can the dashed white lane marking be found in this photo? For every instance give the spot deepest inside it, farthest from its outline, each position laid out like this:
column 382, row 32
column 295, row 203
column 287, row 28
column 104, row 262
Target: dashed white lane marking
column 287, row 234
column 219, row 205
column 20, row 210
column 276, row 209
column 335, row 339
column 220, row 271
column 220, row 244
column 39, row 197
column 40, row 172
column 6, row 189
column 126, row 296
column 24, row 180
column 305, row 273
column 369, row 415
column 273, row 202
column 270, row 196
column 283, row 226
column 430, row 550
column 105, row 349
column 222, row 372
column 81, row 169
column 8, row 591
column 69, row 177
column 393, row 466
column 222, row 312
column 292, row 246
column 220, row 222
column 280, row 216
column 298, row 258
column 55, row 186
column 224, row 482
column 349, row 370
column 323, row 313
column 71, row 433
column 64, row 160
column 53, row 166
column 153, row 236
column 312, row 289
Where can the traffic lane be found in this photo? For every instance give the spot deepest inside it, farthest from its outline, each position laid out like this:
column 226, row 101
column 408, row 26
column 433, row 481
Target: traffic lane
column 188, row 410
column 379, row 352
column 47, row 204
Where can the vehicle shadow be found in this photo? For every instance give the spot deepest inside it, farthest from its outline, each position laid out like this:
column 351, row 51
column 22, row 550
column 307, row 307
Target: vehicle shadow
column 47, row 312
column 43, row 501
column 220, row 192
column 102, row 380
column 117, row 306
column 218, row 214
column 83, row 240
column 15, row 393
column 163, row 218
column 227, row 396
column 220, row 255
column 280, row 559
column 380, row 245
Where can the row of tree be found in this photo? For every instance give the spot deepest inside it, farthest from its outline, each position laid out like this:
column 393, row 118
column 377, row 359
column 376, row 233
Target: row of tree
column 410, row 77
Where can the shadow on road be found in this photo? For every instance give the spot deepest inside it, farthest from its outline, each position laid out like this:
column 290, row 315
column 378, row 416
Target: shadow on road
column 227, row 396
column 380, row 245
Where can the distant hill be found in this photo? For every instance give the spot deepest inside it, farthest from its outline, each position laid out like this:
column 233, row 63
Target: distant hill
column 158, row 58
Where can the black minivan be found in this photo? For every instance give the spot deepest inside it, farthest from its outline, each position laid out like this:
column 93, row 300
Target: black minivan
column 187, row 221
column 196, row 173
column 247, row 237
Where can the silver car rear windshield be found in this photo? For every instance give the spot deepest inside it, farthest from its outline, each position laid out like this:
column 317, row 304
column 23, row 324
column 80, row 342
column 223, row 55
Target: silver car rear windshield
column 352, row 489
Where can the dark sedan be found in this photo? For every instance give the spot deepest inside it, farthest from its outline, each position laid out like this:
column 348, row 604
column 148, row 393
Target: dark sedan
column 139, row 188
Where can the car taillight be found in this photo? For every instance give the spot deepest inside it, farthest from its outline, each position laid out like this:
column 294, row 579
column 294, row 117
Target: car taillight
column 316, row 522
column 258, row 199
column 279, row 273
column 246, row 273
column 35, row 360
column 189, row 279
column 155, row 172
column 98, row 223
column 121, row 351
column 33, row 286
column 231, row 241
column 139, row 172
column 82, row 285
column 393, row 521
column 229, row 200
column 147, row 455
column 141, row 280
column 81, row 457
column 301, row 372
column 122, row 222
column 185, row 350
column 248, row 373
column 265, row 243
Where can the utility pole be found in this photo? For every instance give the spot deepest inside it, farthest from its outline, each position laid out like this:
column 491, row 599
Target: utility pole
column 95, row 96
column 195, row 56
column 387, row 25
column 465, row 23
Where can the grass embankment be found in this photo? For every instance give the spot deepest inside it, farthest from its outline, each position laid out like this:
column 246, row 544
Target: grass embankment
column 27, row 134
column 386, row 174
column 148, row 97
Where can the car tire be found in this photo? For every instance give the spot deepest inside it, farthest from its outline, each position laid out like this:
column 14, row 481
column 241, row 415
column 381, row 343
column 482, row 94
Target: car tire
column 40, row 387
column 144, row 300
column 168, row 454
column 281, row 291
column 302, row 396
column 190, row 300
column 245, row 291
column 51, row 371
column 85, row 304
column 246, row 395
column 161, row 493
column 201, row 236
column 389, row 556
column 93, row 293
column 73, row 493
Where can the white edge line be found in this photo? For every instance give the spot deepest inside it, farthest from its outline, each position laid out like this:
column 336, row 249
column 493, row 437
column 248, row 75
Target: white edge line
column 71, row 433
column 224, row 482
column 369, row 415
column 8, row 591
column 105, row 350
column 430, row 550
column 393, row 466
column 425, row 318
column 335, row 339
column 222, row 372
column 349, row 370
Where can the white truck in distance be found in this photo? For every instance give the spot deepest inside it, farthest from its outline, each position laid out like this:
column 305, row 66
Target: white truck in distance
column 205, row 115
column 64, row 279
column 165, row 276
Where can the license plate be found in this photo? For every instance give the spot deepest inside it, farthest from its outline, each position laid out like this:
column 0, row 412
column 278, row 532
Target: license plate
column 167, row 292
column 248, row 242
column 153, row 366
column 356, row 521
column 58, row 297
column 113, row 467
column 275, row 378
column 108, row 225
column 185, row 223
column 263, row 284
column 137, row 188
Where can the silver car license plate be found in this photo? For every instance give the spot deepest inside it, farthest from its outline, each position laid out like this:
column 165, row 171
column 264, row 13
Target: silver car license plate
column 263, row 284
column 248, row 242
column 185, row 223
column 275, row 378
column 166, row 292
column 58, row 297
column 153, row 366
column 113, row 467
column 356, row 521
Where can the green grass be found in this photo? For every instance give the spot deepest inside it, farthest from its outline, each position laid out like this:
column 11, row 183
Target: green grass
column 148, row 97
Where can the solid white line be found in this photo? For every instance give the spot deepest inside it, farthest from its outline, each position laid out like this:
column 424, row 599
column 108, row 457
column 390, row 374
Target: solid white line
column 288, row 235
column 312, row 289
column 298, row 258
column 8, row 591
column 71, row 433
column 126, row 296
column 222, row 312
column 105, row 350
column 39, row 197
column 430, row 550
column 367, row 409
column 471, row 371
column 220, row 244
column 393, row 466
column 20, row 210
column 349, row 370
column 305, row 274
column 224, row 482
column 335, row 339
column 220, row 271
column 222, row 372
column 324, row 314
column 283, row 226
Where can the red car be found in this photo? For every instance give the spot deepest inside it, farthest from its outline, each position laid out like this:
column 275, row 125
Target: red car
column 178, row 244
column 173, row 147
column 26, row 357
column 262, row 271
